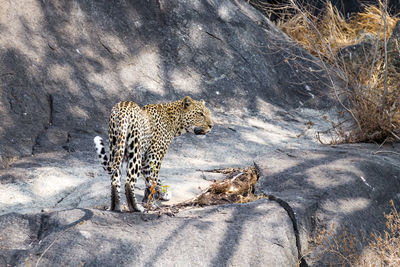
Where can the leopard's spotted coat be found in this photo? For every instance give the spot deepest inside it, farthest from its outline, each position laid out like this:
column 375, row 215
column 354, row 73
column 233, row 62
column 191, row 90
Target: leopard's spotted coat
column 141, row 137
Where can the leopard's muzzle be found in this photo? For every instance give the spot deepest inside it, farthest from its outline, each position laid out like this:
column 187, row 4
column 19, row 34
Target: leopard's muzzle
column 201, row 131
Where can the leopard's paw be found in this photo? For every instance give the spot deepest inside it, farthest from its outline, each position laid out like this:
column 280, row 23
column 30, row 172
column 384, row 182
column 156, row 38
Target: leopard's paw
column 139, row 208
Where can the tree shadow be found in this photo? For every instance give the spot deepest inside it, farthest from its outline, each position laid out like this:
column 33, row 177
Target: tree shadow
column 38, row 227
column 96, row 54
column 340, row 187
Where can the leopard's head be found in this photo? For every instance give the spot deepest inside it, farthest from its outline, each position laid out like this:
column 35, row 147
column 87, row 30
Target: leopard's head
column 196, row 116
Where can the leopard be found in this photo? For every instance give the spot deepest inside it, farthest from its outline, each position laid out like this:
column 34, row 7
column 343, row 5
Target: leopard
column 140, row 137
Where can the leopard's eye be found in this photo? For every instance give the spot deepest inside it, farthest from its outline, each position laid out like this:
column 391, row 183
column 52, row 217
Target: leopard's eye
column 200, row 113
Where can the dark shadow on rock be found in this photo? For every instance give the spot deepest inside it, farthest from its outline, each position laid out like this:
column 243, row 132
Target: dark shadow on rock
column 228, row 244
column 345, row 186
column 25, row 111
column 8, row 178
column 233, row 233
column 164, row 246
column 96, row 53
column 23, row 232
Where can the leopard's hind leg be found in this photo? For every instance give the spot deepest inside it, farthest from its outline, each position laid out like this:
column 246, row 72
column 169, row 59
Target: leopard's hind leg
column 134, row 169
column 115, row 189
column 117, row 141
column 115, row 174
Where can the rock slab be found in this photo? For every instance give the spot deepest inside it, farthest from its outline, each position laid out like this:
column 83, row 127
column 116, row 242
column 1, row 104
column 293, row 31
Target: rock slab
column 235, row 235
column 329, row 187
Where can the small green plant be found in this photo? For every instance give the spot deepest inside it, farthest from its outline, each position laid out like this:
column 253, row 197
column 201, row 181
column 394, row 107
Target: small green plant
column 164, row 187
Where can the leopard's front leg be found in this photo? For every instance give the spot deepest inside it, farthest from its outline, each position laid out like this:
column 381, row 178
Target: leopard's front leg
column 150, row 172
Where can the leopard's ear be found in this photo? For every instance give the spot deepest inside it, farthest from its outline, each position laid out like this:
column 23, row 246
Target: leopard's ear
column 203, row 102
column 187, row 101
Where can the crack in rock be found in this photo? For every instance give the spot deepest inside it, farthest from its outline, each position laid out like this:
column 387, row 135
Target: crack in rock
column 51, row 109
column 292, row 216
column 67, row 194
column 43, row 225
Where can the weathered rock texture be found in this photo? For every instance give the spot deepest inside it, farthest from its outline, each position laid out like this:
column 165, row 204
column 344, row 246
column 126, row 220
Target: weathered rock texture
column 238, row 235
column 66, row 63
column 338, row 186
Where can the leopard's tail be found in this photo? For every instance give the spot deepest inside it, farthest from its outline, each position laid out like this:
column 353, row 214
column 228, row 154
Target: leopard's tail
column 101, row 152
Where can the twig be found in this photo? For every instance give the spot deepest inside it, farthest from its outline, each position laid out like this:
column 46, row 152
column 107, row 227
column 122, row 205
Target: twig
column 385, row 151
column 375, row 55
column 105, row 47
column 52, row 243
column 329, row 46
column 386, row 60
column 319, row 139
column 236, row 176
column 384, row 141
column 395, row 135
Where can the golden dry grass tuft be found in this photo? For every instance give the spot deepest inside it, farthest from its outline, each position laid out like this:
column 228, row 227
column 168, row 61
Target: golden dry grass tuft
column 338, row 249
column 377, row 250
column 371, row 94
column 384, row 250
column 326, row 34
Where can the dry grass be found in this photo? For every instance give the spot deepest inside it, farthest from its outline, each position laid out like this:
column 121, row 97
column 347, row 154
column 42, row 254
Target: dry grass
column 338, row 249
column 237, row 187
column 378, row 250
column 325, row 35
column 372, row 94
column 384, row 250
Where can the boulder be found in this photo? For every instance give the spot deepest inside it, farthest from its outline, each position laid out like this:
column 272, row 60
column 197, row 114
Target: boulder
column 218, row 236
column 66, row 63
column 342, row 186
column 357, row 59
